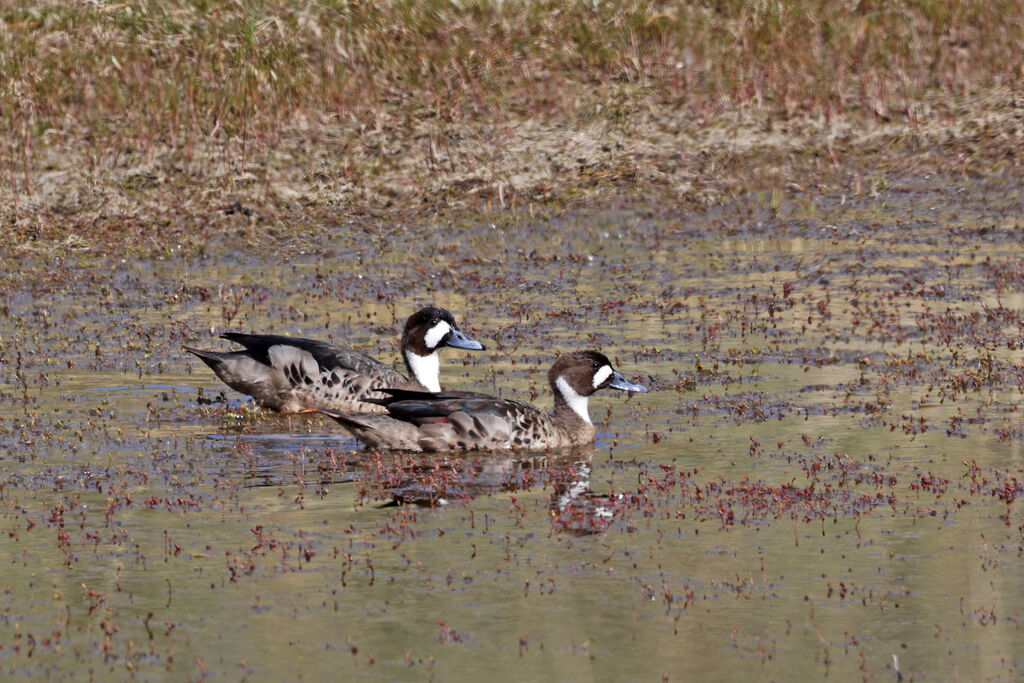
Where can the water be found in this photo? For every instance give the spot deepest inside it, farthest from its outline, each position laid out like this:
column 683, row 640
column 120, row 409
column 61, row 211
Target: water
column 821, row 484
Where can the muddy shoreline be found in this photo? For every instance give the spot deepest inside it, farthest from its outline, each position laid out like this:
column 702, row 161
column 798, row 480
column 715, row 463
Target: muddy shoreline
column 320, row 177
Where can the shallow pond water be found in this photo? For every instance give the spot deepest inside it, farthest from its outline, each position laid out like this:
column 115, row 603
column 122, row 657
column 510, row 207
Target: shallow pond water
column 821, row 483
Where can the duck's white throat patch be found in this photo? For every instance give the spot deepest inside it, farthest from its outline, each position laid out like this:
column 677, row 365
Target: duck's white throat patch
column 436, row 333
column 575, row 401
column 601, row 375
column 426, row 369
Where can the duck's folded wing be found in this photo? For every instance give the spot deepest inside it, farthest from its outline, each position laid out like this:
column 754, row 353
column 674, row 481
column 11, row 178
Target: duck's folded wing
column 276, row 349
column 502, row 415
column 434, row 424
column 488, row 425
column 394, row 395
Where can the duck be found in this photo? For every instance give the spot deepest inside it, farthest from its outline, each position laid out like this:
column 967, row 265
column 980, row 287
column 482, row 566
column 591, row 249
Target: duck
column 462, row 421
column 295, row 375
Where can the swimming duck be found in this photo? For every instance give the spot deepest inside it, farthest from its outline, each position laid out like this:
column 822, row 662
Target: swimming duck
column 425, row 422
column 301, row 375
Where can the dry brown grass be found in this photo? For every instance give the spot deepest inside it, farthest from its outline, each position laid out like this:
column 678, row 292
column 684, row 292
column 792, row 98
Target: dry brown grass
column 149, row 121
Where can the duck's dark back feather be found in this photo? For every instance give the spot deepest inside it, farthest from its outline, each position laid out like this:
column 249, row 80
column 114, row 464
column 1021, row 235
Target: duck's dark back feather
column 395, row 394
column 326, row 355
column 443, row 406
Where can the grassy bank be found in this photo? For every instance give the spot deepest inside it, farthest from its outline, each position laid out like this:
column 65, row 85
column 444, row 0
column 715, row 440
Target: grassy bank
column 180, row 123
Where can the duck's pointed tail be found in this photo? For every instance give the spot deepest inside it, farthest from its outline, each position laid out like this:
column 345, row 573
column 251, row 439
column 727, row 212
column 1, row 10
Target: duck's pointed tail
column 378, row 431
column 211, row 358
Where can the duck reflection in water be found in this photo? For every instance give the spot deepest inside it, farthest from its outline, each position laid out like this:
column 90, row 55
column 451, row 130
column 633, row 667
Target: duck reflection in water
column 573, row 507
